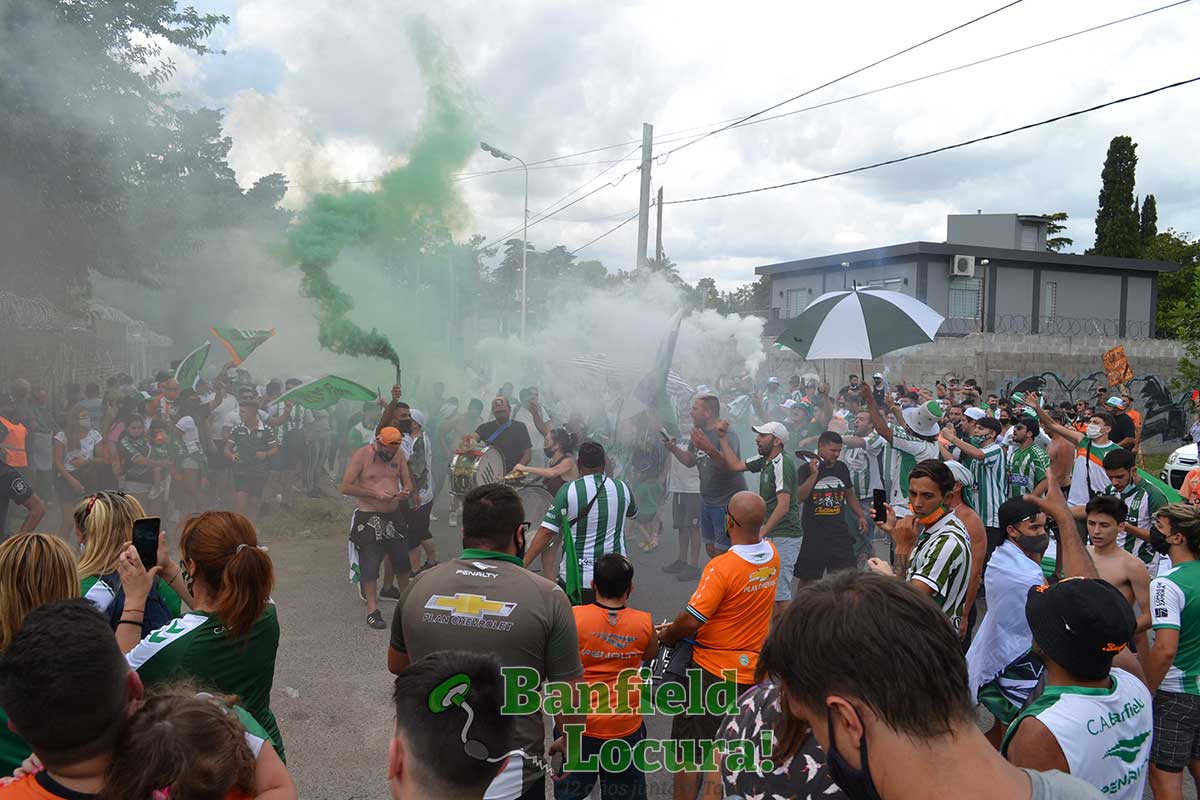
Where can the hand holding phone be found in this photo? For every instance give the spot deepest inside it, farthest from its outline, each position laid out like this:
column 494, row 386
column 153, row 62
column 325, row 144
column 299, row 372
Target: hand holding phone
column 879, row 505
column 145, row 540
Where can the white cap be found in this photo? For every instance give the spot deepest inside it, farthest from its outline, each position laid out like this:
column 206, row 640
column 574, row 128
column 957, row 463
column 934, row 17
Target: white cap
column 1115, row 402
column 788, row 404
column 878, row 375
column 923, row 419
column 961, row 473
column 772, row 379
column 418, row 417
column 775, row 429
column 975, row 413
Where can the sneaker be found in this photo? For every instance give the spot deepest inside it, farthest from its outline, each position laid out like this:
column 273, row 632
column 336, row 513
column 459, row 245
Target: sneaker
column 453, row 521
column 390, row 593
column 674, row 566
column 375, row 620
column 689, row 573
column 433, row 518
column 361, row 595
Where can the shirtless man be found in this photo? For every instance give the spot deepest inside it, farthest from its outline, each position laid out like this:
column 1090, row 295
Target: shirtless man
column 378, row 476
column 1124, row 570
column 1062, row 454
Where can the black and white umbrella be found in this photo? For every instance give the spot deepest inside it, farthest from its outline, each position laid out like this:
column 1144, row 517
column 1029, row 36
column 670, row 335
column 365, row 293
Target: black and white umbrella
column 860, row 323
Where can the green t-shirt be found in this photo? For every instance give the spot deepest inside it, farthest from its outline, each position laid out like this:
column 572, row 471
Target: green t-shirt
column 1175, row 604
column 197, row 646
column 774, row 476
column 1027, row 467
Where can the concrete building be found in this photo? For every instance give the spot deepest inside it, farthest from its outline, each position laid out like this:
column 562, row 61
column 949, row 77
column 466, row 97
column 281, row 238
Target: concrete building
column 993, row 274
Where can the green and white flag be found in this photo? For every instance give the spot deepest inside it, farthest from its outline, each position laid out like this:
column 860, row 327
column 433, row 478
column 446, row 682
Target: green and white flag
column 240, row 342
column 650, row 397
column 188, row 371
column 327, row 391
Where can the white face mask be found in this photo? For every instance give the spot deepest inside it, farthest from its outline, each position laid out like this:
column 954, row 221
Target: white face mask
column 1093, row 430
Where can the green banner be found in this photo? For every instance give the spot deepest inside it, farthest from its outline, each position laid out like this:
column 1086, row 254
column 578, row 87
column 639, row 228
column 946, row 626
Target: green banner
column 1172, row 495
column 188, row 371
column 327, row 391
column 240, row 342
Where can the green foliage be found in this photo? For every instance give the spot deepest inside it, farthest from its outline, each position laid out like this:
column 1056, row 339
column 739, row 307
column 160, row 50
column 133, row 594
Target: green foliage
column 1177, row 302
column 1149, row 221
column 1055, row 226
column 1187, row 328
column 1117, row 226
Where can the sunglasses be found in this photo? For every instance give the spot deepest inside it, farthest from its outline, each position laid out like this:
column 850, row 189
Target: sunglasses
column 734, row 519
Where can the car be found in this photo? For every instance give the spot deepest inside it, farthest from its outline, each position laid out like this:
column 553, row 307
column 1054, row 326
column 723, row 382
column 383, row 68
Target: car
column 1178, row 465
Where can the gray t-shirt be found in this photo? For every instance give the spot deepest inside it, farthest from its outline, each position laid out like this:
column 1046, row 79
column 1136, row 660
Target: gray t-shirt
column 485, row 602
column 1055, row 785
column 717, row 484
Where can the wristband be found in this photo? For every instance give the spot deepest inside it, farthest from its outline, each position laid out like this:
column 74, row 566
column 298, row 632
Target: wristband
column 129, row 622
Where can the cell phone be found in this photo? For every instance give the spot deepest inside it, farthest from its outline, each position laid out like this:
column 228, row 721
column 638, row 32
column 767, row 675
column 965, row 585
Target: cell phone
column 879, row 505
column 666, row 437
column 145, row 539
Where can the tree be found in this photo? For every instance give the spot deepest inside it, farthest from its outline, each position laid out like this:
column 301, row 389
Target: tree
column 1055, row 226
column 1149, row 221
column 1176, row 305
column 1117, row 226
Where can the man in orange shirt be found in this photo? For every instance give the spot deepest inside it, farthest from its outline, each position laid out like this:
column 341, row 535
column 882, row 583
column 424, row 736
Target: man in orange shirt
column 728, row 618
column 1190, row 489
column 613, row 639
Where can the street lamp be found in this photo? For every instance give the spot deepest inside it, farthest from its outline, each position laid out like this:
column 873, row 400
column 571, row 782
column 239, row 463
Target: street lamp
column 845, row 269
column 498, row 153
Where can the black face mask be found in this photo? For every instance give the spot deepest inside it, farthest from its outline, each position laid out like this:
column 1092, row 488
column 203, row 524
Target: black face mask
column 856, row 784
column 1034, row 544
column 549, row 451
column 1159, row 543
column 521, row 546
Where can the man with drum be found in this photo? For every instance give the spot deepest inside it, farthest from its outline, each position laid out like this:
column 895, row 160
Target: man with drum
column 511, row 438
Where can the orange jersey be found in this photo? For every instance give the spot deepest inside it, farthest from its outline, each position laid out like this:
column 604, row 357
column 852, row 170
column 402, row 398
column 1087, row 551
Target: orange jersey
column 612, row 641
column 1136, row 416
column 1190, row 490
column 733, row 603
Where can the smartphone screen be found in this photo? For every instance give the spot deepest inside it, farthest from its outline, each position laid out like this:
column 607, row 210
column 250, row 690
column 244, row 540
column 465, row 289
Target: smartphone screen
column 145, row 539
column 878, row 500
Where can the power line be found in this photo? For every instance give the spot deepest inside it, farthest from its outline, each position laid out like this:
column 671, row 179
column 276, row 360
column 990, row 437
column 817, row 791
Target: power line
column 613, row 229
column 976, row 140
column 661, row 159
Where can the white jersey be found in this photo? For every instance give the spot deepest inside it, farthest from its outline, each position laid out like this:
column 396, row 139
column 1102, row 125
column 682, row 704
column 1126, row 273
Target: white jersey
column 1104, row 733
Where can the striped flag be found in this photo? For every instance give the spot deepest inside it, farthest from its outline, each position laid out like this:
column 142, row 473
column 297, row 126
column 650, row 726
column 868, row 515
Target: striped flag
column 651, row 396
column 327, row 391
column 188, row 371
column 240, row 342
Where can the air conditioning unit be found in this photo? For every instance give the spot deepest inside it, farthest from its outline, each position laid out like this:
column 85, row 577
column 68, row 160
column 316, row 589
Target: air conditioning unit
column 963, row 267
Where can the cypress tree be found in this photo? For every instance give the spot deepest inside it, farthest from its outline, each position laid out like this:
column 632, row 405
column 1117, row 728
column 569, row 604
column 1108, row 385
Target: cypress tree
column 1118, row 232
column 1149, row 220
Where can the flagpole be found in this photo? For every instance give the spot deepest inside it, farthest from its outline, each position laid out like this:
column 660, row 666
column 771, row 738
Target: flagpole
column 862, row 371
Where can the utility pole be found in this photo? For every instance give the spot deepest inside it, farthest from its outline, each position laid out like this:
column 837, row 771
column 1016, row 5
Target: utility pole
column 658, row 251
column 644, row 204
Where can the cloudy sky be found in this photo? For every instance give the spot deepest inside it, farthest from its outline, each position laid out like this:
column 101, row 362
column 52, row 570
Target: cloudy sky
column 327, row 90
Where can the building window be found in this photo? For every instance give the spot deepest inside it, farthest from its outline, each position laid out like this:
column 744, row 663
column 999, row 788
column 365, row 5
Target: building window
column 1051, row 295
column 965, row 298
column 797, row 301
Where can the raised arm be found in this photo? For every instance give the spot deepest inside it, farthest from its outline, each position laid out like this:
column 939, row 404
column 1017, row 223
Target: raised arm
column 731, row 460
column 1053, row 428
column 1073, row 558
column 881, row 426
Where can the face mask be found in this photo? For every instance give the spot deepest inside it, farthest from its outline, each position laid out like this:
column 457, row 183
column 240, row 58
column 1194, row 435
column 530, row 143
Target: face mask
column 549, row 451
column 856, row 784
column 1159, row 543
column 1034, row 544
column 1093, row 430
column 85, row 422
column 521, row 546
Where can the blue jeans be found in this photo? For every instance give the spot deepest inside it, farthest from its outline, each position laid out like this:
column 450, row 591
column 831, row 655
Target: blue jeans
column 627, row 785
column 712, row 526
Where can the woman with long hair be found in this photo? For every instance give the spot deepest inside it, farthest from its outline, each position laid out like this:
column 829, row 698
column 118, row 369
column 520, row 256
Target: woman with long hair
column 559, row 446
column 104, row 524
column 230, row 639
column 74, row 460
column 35, row 569
column 187, row 746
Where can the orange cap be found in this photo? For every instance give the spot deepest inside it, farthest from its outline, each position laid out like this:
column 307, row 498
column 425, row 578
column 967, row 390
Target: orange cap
column 389, row 437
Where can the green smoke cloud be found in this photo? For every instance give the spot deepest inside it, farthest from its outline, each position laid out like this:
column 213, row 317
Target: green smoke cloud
column 414, row 204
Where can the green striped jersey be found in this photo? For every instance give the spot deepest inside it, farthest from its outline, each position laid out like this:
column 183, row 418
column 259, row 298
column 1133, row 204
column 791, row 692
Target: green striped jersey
column 862, row 462
column 1027, row 468
column 1175, row 605
column 196, row 646
column 900, row 457
column 775, row 476
column 942, row 561
column 602, row 529
column 991, row 487
column 1142, row 502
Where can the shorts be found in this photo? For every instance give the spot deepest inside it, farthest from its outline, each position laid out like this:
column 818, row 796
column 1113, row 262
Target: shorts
column 251, row 484
column 646, row 496
column 1006, row 694
column 788, row 548
column 703, row 726
column 371, row 550
column 821, row 553
column 685, row 510
column 712, row 526
column 417, row 522
column 1176, row 730
column 66, row 493
column 371, row 555
column 189, row 461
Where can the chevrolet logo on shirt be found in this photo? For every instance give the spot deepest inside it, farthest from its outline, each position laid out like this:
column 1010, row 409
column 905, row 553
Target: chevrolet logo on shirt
column 762, row 574
column 475, row 606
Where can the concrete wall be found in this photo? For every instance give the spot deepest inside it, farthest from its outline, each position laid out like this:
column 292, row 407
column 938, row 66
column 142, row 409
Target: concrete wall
column 1014, row 299
column 1137, row 307
column 1088, row 296
column 1065, row 368
column 984, row 230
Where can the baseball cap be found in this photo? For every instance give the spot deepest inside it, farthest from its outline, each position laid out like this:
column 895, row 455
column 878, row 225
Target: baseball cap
column 961, row 473
column 1115, row 402
column 789, row 404
column 1080, row 624
column 975, row 413
column 1013, row 511
column 923, row 419
column 775, row 429
column 389, row 437
column 878, row 375
column 772, row 379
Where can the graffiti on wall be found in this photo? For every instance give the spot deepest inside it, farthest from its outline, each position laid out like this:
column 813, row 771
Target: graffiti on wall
column 1163, row 415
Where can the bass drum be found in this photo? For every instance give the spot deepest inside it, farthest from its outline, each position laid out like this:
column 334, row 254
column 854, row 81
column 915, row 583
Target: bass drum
column 536, row 501
column 472, row 468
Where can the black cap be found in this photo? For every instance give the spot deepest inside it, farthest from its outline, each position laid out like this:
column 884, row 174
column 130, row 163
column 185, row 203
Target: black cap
column 1080, row 624
column 1013, row 511
column 591, row 455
